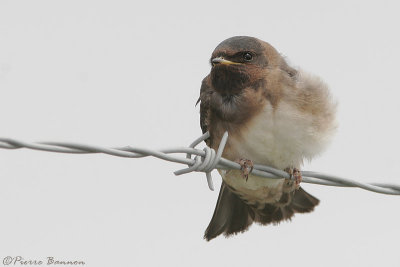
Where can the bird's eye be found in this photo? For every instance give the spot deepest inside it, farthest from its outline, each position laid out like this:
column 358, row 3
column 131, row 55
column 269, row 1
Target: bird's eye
column 247, row 56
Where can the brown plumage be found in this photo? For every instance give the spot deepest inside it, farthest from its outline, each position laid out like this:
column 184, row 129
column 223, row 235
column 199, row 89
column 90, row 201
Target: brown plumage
column 275, row 115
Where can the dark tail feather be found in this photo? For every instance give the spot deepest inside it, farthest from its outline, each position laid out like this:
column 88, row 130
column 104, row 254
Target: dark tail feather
column 231, row 215
column 303, row 202
column 298, row 201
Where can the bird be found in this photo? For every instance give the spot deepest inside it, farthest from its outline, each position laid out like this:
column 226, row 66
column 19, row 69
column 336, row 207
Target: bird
column 276, row 115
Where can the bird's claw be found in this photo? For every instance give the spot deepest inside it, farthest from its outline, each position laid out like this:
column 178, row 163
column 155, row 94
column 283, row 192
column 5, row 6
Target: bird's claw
column 295, row 174
column 246, row 166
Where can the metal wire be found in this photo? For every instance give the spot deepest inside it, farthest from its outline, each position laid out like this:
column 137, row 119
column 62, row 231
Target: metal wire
column 205, row 160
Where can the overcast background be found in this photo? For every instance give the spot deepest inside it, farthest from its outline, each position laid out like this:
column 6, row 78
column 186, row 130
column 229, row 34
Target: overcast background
column 121, row 73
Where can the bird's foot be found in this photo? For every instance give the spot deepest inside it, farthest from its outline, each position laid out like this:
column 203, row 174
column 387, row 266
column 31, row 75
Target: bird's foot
column 246, row 166
column 296, row 174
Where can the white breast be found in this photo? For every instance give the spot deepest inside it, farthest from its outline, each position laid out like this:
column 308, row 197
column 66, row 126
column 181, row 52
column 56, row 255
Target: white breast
column 281, row 137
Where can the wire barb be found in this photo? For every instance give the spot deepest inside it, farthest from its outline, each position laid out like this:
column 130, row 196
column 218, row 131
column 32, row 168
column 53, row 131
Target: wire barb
column 205, row 160
column 209, row 161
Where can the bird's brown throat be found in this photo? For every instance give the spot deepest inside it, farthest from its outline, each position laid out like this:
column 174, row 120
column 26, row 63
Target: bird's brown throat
column 229, row 80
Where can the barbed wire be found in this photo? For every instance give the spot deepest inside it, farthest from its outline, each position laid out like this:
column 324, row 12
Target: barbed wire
column 205, row 160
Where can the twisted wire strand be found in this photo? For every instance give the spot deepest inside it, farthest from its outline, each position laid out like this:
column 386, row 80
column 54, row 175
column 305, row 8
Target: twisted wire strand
column 199, row 160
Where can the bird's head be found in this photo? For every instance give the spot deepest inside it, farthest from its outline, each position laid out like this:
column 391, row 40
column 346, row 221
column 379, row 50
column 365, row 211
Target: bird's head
column 241, row 62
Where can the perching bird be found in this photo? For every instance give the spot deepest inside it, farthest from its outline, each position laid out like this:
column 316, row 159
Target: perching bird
column 275, row 115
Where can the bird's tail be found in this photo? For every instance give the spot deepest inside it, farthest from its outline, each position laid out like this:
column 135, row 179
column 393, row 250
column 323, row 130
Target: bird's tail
column 232, row 215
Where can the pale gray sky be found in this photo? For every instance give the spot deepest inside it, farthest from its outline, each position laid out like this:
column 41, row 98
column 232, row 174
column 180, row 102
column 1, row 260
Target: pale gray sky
column 117, row 73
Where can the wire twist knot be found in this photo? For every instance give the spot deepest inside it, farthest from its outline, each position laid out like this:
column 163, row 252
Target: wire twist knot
column 208, row 162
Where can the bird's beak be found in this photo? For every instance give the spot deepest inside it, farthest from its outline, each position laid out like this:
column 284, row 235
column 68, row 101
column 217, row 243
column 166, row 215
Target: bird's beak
column 221, row 60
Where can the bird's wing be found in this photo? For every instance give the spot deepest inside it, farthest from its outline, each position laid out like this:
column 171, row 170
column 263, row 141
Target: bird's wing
column 231, row 215
column 204, row 99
